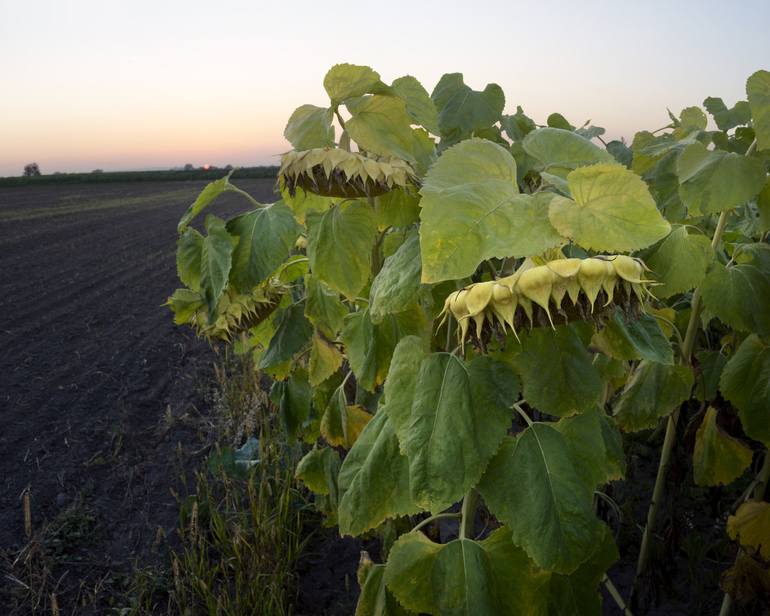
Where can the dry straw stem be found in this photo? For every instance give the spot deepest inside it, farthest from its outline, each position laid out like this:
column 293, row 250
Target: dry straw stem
column 27, row 513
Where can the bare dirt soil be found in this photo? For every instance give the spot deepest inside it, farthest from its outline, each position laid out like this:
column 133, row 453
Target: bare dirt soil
column 99, row 390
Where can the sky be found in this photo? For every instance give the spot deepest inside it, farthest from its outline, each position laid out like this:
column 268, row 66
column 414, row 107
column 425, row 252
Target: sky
column 145, row 84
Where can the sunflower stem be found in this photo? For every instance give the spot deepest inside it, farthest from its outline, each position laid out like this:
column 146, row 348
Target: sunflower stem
column 468, row 513
column 668, row 442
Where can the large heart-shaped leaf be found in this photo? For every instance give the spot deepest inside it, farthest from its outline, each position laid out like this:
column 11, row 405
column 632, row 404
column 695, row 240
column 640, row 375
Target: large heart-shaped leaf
column 374, row 480
column 653, row 391
column 471, row 211
column 381, row 125
column 462, row 110
column 397, row 284
column 680, row 262
column 339, row 246
column 535, row 486
column 560, row 151
column 344, row 81
column 418, row 102
column 266, row 235
column 738, row 295
column 557, row 371
column 711, row 181
column 492, row 577
column 459, row 415
column 612, row 210
column 310, row 127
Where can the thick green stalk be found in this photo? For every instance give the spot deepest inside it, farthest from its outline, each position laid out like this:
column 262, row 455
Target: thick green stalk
column 759, row 493
column 670, row 438
column 469, row 514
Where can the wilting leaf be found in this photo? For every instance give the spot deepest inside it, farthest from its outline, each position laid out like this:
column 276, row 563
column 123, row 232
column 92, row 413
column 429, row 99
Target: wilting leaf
column 750, row 526
column 718, row 458
column 325, row 359
column 318, row 470
column 341, row 423
column 653, row 391
column 216, row 261
column 374, row 480
column 370, row 347
column 418, row 102
column 189, row 247
column 291, row 335
column 745, row 383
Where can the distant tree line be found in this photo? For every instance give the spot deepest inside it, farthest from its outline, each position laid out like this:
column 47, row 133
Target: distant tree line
column 98, row 176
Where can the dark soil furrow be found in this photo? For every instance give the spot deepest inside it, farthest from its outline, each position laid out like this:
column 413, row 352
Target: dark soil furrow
column 95, row 380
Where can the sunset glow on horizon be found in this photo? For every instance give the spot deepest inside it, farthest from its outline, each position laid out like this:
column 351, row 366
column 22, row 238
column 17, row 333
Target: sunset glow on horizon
column 88, row 84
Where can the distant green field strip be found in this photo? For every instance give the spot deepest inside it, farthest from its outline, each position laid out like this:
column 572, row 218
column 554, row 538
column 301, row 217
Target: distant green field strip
column 154, row 200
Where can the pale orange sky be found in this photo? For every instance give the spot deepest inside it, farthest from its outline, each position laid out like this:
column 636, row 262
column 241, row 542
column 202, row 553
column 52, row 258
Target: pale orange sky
column 87, row 84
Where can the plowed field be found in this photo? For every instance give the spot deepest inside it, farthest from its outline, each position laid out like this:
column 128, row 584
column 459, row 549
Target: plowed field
column 95, row 380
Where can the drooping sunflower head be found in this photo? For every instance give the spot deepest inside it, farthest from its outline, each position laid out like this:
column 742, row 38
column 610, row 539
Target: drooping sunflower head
column 333, row 172
column 535, row 294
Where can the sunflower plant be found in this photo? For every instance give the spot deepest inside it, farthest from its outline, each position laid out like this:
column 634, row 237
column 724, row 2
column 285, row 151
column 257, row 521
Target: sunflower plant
column 463, row 312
